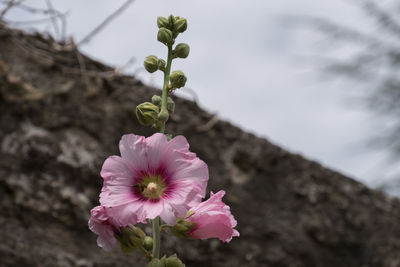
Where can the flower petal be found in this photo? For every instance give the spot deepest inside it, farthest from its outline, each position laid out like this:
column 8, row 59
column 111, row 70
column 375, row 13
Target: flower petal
column 100, row 224
column 118, row 183
column 133, row 150
column 155, row 146
column 213, row 218
column 213, row 226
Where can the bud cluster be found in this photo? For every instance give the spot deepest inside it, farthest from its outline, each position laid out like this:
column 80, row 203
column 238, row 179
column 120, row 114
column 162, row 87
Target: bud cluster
column 153, row 63
column 151, row 114
column 133, row 237
column 157, row 112
column 171, row 261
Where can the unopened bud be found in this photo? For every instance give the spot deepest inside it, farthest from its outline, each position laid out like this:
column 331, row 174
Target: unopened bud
column 151, row 63
column 171, row 21
column 148, row 243
column 161, row 64
column 177, row 79
column 147, row 113
column 170, row 105
column 163, row 115
column 165, row 36
column 180, row 25
column 162, row 22
column 173, row 261
column 182, row 50
column 156, row 100
column 155, row 263
column 183, row 227
column 130, row 238
column 134, row 231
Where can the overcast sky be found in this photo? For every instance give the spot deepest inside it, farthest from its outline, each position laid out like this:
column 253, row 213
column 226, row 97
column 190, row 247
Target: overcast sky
column 251, row 63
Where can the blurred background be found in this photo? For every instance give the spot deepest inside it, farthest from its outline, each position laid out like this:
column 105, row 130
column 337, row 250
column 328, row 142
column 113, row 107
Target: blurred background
column 318, row 78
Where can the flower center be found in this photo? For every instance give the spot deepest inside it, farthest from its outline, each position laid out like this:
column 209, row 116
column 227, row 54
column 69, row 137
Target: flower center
column 152, row 186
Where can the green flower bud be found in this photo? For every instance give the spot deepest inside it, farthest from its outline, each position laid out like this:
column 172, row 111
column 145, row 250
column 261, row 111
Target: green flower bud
column 148, row 243
column 156, row 100
column 180, row 25
column 163, row 115
column 177, row 79
column 181, row 50
column 165, row 36
column 161, row 64
column 155, row 263
column 125, row 243
column 173, row 261
column 171, row 21
column 170, row 105
column 151, row 63
column 147, row 113
column 183, row 227
column 136, row 231
column 130, row 238
column 162, row 22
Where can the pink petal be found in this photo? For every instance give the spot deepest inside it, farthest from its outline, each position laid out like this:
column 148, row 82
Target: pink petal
column 100, row 224
column 129, row 213
column 118, row 183
column 153, row 209
column 155, row 146
column 133, row 150
column 213, row 226
column 213, row 219
column 168, row 215
column 117, row 171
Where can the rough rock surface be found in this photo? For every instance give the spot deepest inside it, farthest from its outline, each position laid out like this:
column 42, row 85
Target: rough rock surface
column 62, row 114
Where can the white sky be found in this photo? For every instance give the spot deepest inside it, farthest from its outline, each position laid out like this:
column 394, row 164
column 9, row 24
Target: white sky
column 251, row 64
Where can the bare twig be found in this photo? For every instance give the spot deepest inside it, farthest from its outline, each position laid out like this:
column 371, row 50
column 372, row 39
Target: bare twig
column 382, row 17
column 206, row 127
column 10, row 4
column 192, row 93
column 82, row 66
column 53, row 19
column 105, row 22
column 51, row 14
column 121, row 69
column 26, row 7
column 34, row 21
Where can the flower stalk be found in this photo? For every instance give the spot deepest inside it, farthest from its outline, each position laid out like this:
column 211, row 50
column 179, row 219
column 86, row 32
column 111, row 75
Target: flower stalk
column 164, row 96
column 164, row 100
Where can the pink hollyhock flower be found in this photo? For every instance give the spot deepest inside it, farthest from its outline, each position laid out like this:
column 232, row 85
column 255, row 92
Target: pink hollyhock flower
column 213, row 218
column 102, row 225
column 153, row 177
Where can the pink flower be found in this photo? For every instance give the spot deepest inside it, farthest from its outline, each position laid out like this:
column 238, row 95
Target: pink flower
column 213, row 219
column 153, row 177
column 102, row 225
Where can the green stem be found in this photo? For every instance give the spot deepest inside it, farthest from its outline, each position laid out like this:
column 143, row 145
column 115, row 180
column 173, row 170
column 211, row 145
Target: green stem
column 164, row 98
column 156, row 238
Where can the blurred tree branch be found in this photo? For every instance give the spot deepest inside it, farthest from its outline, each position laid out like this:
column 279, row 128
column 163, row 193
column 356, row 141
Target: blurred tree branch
column 103, row 24
column 375, row 64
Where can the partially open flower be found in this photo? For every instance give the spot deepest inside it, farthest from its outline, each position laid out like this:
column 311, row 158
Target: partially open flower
column 213, row 219
column 153, row 177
